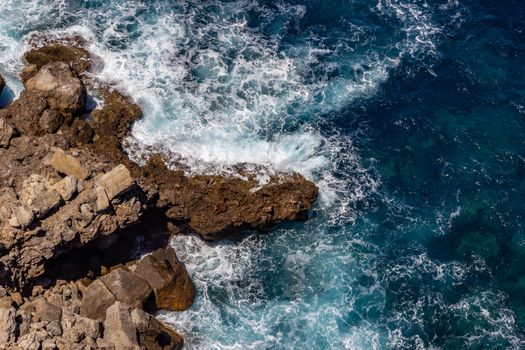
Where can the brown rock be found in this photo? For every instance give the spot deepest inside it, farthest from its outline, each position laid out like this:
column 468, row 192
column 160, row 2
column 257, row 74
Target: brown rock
column 127, row 287
column 6, row 133
column 38, row 195
column 67, row 164
column 96, row 299
column 169, row 279
column 102, row 199
column 64, row 91
column 45, row 310
column 116, row 182
column 153, row 335
column 7, row 325
column 119, row 328
column 67, row 187
column 50, row 121
column 77, row 58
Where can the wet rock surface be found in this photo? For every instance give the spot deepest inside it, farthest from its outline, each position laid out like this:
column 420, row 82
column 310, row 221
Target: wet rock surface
column 68, row 192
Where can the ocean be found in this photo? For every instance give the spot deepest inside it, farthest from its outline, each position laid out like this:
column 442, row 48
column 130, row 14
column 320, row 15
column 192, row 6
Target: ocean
column 409, row 115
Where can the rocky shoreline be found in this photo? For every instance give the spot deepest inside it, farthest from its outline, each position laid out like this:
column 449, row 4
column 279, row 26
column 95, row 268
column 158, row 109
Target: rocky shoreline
column 72, row 205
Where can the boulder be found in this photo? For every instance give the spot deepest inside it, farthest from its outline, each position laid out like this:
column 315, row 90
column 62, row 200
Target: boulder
column 168, row 278
column 127, row 287
column 119, row 329
column 116, row 182
column 102, row 199
column 50, row 121
column 6, row 133
column 67, row 164
column 64, row 91
column 66, row 187
column 76, row 328
column 153, row 335
column 96, row 299
column 44, row 309
column 22, row 217
column 7, row 325
column 39, row 195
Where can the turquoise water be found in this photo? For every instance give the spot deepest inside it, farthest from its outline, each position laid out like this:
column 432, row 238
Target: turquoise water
column 409, row 115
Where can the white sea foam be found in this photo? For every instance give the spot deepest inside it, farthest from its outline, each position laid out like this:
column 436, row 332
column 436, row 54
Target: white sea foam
column 217, row 92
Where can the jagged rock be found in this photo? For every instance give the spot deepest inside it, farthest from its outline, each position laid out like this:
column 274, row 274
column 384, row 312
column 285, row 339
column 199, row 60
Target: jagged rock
column 49, row 344
column 28, row 72
column 64, row 91
column 127, row 287
column 7, row 325
column 96, row 299
column 94, row 213
column 32, row 340
column 168, row 278
column 77, row 58
column 102, row 199
column 50, row 121
column 24, row 322
column 77, row 328
column 38, row 195
column 153, row 335
column 44, row 309
column 66, row 187
column 54, row 328
column 22, row 217
column 6, row 133
column 116, row 182
column 67, row 164
column 119, row 328
column 2, row 84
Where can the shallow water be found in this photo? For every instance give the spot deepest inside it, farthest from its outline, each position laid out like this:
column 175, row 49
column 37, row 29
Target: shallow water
column 409, row 115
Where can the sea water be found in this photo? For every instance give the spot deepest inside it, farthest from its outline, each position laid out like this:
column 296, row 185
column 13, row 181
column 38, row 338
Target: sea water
column 409, row 115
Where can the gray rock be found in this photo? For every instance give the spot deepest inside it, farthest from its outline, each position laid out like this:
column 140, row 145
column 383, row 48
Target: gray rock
column 66, row 187
column 45, row 310
column 76, row 328
column 96, row 299
column 39, row 195
column 119, row 328
column 6, row 133
column 50, row 121
column 21, row 217
column 127, row 287
column 54, row 328
column 49, row 344
column 116, row 182
column 7, row 325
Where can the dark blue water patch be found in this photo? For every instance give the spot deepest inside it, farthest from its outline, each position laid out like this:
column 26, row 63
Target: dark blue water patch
column 6, row 97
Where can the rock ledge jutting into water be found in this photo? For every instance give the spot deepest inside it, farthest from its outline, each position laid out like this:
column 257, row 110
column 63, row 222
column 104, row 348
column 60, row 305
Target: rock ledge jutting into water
column 69, row 193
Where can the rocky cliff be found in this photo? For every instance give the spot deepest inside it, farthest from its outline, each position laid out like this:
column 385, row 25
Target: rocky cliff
column 68, row 190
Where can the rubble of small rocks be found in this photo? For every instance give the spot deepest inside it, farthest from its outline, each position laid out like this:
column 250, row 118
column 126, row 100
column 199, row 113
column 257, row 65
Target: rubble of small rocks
column 67, row 186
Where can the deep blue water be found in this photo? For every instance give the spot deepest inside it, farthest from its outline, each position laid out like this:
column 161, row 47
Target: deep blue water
column 409, row 115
